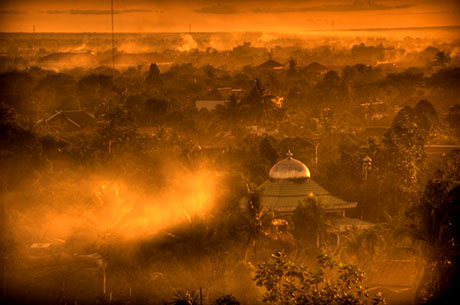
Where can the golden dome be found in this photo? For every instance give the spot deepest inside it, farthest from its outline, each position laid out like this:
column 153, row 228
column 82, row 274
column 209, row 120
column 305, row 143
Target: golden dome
column 289, row 168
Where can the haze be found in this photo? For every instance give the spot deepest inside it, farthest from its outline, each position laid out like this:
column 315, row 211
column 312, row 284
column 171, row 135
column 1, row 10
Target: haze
column 230, row 15
column 229, row 152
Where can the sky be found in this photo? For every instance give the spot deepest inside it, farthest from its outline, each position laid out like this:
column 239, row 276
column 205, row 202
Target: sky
column 224, row 15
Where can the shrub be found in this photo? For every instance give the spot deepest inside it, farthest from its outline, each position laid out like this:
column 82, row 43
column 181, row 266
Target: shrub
column 329, row 283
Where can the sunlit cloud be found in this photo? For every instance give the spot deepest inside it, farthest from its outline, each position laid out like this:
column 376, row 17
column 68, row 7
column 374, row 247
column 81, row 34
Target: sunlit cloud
column 11, row 12
column 99, row 12
column 361, row 5
column 218, row 9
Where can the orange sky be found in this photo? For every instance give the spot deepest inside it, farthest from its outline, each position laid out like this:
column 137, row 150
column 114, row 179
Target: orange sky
column 224, row 15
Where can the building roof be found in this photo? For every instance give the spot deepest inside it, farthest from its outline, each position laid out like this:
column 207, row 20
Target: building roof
column 289, row 168
column 213, row 95
column 220, row 94
column 373, row 131
column 439, row 150
column 286, row 194
column 289, row 184
column 78, row 118
column 270, row 64
column 314, row 67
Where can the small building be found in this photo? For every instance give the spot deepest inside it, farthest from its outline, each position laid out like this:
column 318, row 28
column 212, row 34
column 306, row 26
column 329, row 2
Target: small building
column 289, row 183
column 373, row 111
column 68, row 121
column 270, row 65
column 436, row 150
column 217, row 96
column 314, row 71
column 373, row 131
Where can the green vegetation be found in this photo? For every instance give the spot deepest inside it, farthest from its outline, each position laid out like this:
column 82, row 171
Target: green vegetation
column 116, row 188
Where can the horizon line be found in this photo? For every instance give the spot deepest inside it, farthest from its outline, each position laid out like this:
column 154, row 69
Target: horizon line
column 254, row 31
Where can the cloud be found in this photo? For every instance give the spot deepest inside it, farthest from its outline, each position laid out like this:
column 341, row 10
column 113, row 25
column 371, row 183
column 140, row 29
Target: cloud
column 218, row 9
column 360, row 5
column 98, row 12
column 11, row 12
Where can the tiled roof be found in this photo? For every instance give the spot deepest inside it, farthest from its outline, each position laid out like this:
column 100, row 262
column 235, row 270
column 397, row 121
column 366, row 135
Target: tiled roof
column 213, row 95
column 79, row 118
column 270, row 64
column 285, row 195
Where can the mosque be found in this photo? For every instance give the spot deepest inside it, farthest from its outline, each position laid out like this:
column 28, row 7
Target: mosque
column 289, row 183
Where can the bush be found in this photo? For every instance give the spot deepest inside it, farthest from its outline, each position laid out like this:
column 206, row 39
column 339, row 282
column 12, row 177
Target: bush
column 329, row 283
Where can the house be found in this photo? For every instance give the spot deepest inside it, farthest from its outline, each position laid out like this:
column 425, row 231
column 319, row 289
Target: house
column 217, row 96
column 373, row 131
column 373, row 111
column 270, row 65
column 68, row 121
column 314, row 71
column 435, row 150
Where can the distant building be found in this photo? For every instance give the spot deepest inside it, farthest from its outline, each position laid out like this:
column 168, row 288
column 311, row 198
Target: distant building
column 68, row 59
column 290, row 183
column 314, row 70
column 373, row 111
column 216, row 97
column 436, row 150
column 373, row 131
column 270, row 65
column 68, row 121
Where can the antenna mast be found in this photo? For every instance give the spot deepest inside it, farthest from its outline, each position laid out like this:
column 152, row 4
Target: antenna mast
column 113, row 37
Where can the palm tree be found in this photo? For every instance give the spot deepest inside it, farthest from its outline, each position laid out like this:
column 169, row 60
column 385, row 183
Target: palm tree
column 259, row 103
column 230, row 112
column 257, row 222
column 361, row 245
column 433, row 225
column 185, row 298
column 102, row 229
column 310, row 223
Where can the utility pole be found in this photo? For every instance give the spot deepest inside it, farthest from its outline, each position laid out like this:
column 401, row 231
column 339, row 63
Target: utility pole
column 33, row 37
column 113, row 37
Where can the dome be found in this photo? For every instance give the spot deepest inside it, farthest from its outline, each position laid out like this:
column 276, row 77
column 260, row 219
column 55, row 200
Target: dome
column 289, row 168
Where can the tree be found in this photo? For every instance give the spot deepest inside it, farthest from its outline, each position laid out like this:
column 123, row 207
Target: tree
column 309, row 224
column 425, row 116
column 441, row 58
column 331, row 79
column 97, row 91
column 329, row 283
column 434, row 224
column 56, row 91
column 453, row 119
column 230, row 111
column 257, row 222
column 16, row 90
column 399, row 164
column 259, row 103
column 156, row 109
column 117, row 130
column 292, row 67
column 154, row 74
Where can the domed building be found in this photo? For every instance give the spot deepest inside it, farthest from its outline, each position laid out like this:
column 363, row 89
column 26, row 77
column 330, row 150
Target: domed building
column 289, row 183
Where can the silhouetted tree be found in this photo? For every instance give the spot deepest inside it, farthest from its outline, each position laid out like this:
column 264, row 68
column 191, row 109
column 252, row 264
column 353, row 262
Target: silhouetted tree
column 154, row 74
column 434, row 223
